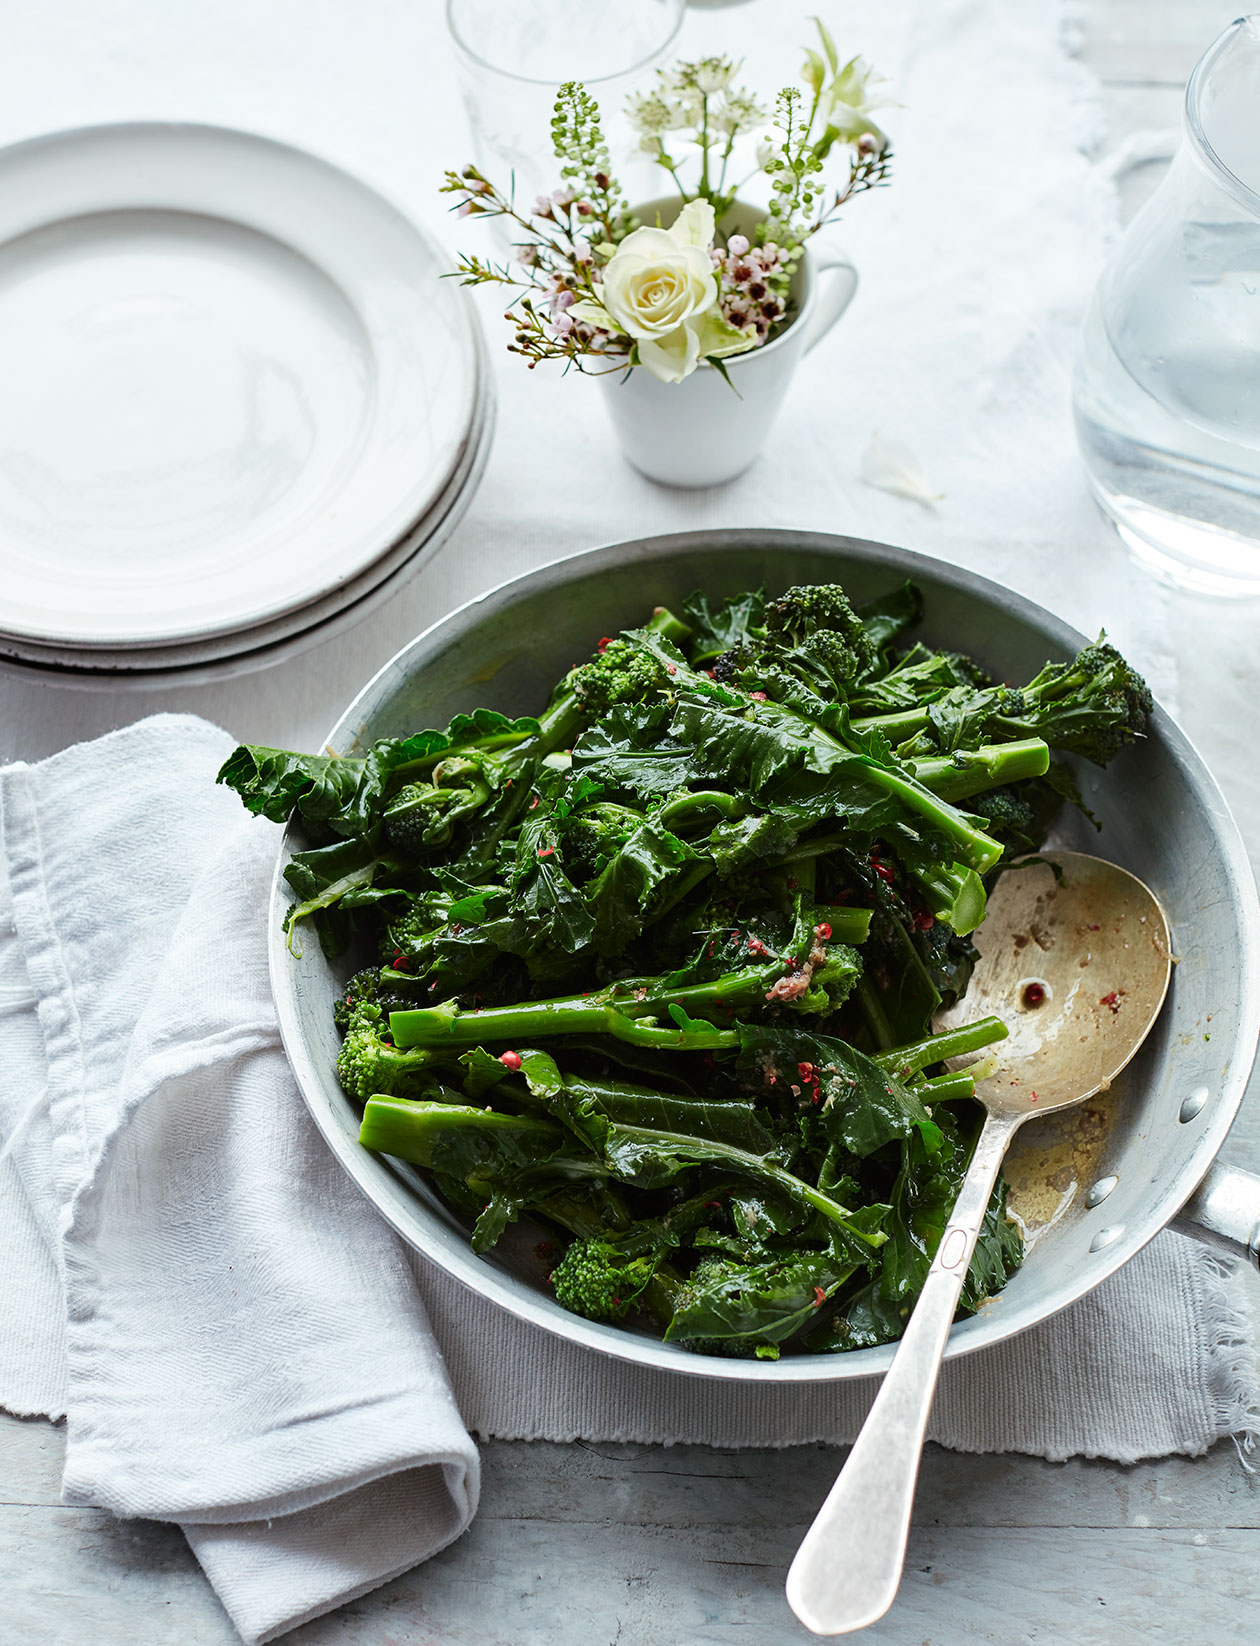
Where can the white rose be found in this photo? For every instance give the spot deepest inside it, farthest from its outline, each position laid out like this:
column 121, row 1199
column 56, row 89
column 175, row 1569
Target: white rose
column 658, row 284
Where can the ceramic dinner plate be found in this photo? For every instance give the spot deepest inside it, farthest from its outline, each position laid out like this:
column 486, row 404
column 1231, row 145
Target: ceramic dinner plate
column 225, row 657
column 244, row 650
column 234, row 381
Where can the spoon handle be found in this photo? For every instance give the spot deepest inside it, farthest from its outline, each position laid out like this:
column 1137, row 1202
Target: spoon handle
column 847, row 1570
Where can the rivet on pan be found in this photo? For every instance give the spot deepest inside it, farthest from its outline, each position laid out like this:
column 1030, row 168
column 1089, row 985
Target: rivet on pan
column 1101, row 1190
column 1198, row 1097
column 1104, row 1237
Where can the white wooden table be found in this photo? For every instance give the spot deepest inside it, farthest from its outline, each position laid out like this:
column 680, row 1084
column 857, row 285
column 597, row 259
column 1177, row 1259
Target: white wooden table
column 585, row 1545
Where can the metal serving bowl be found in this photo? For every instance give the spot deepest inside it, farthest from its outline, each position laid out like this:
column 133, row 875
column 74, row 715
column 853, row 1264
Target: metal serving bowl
column 1154, row 1137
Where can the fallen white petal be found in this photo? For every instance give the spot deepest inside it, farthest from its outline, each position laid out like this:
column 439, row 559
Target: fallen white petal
column 894, row 468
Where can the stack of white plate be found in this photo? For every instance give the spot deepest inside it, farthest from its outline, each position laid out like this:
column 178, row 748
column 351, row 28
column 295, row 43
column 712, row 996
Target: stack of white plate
column 238, row 403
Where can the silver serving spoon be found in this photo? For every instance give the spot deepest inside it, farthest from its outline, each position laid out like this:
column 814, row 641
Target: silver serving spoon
column 1078, row 968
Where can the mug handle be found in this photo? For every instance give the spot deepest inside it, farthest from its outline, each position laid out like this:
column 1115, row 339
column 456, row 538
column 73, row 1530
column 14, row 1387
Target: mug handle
column 837, row 283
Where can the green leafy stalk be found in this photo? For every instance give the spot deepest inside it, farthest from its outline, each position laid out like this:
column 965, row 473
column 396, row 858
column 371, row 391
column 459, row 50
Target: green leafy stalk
column 614, row 1011
column 970, row 1037
column 453, row 1138
column 971, row 771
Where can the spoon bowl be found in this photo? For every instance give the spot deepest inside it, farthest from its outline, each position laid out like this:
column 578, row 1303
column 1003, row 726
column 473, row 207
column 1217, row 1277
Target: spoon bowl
column 1075, row 957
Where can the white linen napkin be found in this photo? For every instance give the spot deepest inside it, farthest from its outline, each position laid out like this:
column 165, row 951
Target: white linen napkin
column 241, row 1346
column 239, row 1342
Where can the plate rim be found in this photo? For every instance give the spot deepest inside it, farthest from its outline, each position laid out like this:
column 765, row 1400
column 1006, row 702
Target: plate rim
column 470, row 343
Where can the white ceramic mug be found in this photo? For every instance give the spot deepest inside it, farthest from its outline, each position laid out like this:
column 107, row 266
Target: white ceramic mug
column 705, row 430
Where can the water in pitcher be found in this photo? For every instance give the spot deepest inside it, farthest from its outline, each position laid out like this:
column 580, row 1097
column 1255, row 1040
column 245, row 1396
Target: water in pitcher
column 1167, row 392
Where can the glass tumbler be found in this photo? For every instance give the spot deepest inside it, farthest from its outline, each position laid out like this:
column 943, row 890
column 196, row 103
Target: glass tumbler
column 514, row 55
column 1167, row 393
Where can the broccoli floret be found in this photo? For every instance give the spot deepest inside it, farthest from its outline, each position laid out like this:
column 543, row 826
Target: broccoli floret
column 412, row 932
column 424, row 815
column 416, row 819
column 740, row 664
column 817, row 619
column 1011, row 819
column 363, row 988
column 811, row 637
column 620, row 674
column 597, row 1279
column 1091, row 706
column 369, row 1064
column 595, row 835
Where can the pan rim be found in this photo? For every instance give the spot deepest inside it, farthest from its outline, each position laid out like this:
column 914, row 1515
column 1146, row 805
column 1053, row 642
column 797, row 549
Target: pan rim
column 382, row 1185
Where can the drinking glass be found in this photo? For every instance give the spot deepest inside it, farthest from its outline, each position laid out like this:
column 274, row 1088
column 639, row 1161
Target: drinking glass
column 514, row 55
column 1167, row 393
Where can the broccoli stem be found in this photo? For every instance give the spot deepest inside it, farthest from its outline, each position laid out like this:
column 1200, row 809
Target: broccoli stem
column 683, row 806
column 423, row 1133
column 608, row 1011
column 663, row 621
column 897, row 728
column 400, row 775
column 848, row 925
column 970, row 1037
column 696, row 1039
column 954, row 894
column 558, row 725
column 447, row 1025
column 972, row 771
column 947, row 1088
column 411, row 1130
column 979, row 850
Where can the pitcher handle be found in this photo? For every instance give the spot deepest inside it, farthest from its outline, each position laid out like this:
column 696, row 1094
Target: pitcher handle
column 837, row 283
column 1140, row 148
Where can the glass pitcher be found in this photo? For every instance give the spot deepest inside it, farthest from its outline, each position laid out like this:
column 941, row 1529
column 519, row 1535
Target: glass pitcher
column 1167, row 394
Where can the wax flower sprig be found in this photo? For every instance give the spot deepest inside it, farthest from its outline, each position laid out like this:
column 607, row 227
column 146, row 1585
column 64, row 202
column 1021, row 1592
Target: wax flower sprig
column 601, row 291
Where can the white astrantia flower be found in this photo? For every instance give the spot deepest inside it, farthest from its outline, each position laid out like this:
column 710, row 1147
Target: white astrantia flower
column 738, row 113
column 648, row 113
column 713, row 74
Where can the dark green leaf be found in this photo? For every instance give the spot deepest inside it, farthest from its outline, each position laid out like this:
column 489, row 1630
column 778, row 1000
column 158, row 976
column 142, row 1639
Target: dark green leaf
column 636, row 883
column 765, row 1302
column 888, row 616
column 271, row 782
column 860, row 1108
column 734, row 623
